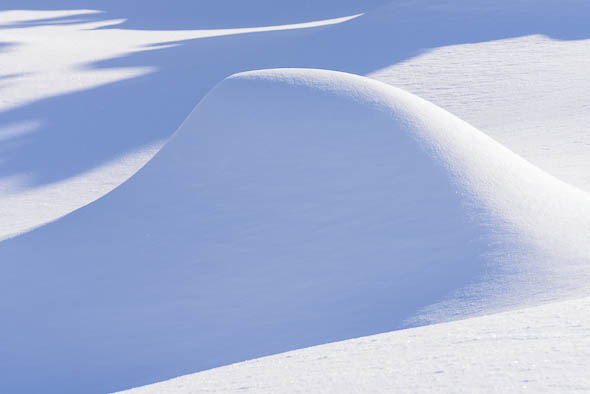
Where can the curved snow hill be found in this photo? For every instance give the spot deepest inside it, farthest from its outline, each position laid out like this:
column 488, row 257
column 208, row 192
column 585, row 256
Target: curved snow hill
column 292, row 208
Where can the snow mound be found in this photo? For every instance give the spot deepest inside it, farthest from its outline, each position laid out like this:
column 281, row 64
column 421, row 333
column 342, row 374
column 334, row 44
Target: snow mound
column 292, row 208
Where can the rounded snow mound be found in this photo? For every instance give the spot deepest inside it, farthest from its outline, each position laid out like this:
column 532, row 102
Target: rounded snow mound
column 292, row 208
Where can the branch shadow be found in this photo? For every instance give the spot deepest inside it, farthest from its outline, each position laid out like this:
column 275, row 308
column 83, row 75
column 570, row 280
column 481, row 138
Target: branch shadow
column 205, row 14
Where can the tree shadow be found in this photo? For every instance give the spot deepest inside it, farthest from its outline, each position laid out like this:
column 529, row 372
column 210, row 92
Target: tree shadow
column 205, row 14
column 85, row 129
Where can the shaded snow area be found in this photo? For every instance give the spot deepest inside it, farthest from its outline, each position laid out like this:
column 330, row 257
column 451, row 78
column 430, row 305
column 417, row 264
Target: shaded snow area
column 538, row 350
column 191, row 185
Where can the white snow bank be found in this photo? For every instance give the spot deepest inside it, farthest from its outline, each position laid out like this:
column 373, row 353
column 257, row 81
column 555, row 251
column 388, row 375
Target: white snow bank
column 292, row 208
column 538, row 350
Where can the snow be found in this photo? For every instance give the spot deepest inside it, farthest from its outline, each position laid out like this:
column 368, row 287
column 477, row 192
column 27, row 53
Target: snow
column 98, row 121
column 325, row 207
column 43, row 176
column 535, row 103
column 541, row 350
column 293, row 207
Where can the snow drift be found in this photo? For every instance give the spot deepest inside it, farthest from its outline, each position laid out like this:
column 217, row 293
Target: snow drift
column 292, row 208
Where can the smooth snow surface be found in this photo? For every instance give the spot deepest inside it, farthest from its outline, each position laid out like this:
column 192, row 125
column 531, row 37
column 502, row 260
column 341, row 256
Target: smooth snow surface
column 292, row 208
column 538, row 350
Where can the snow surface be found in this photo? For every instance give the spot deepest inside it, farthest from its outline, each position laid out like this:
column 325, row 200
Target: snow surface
column 324, row 206
column 514, row 69
column 537, row 350
column 178, row 271
column 536, row 103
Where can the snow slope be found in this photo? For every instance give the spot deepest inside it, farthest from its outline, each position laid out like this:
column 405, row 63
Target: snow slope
column 541, row 350
column 81, row 121
column 529, row 93
column 292, row 208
